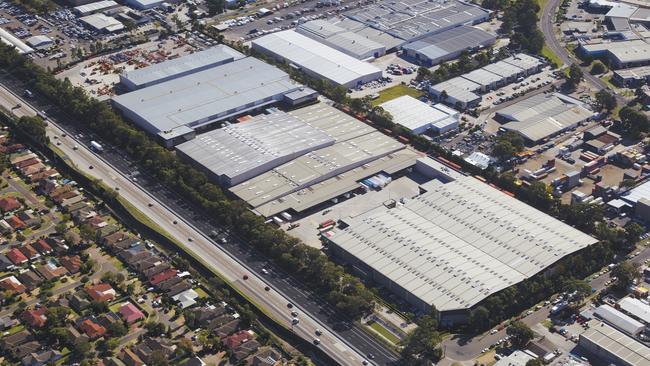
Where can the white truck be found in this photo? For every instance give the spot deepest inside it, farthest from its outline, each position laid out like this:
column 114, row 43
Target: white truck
column 96, row 146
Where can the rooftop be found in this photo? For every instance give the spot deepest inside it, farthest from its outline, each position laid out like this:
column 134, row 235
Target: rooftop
column 624, row 347
column 96, row 6
column 414, row 114
column 102, row 22
column 340, row 38
column 323, row 60
column 625, row 51
column 458, row 243
column 453, row 40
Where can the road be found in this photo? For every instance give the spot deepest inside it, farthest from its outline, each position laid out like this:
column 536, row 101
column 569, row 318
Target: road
column 546, row 25
column 343, row 347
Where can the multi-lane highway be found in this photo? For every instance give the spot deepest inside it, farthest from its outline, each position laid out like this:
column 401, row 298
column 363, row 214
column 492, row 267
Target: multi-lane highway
column 349, row 346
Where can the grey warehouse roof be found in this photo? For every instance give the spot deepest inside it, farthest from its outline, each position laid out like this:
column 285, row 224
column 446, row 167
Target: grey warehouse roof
column 241, row 151
column 415, row 115
column 458, row 243
column 631, row 351
column 171, row 69
column 618, row 319
column 451, row 41
column 340, row 38
column 206, row 96
column 641, row 191
column 636, row 308
column 544, row 115
column 410, row 19
column 624, row 51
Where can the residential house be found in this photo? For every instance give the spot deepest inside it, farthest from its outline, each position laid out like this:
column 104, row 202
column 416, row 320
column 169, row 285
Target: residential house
column 130, row 358
column 42, row 247
column 101, row 292
column 64, row 193
column 113, row 361
column 169, row 283
column 148, row 346
column 29, row 218
column 16, row 223
column 107, row 230
column 51, row 271
column 35, row 317
column 266, row 357
column 41, row 358
column 26, row 163
column 72, row 200
column 44, row 174
column 227, row 328
column 241, row 344
column 81, row 212
column 5, row 228
column 193, row 361
column 96, row 222
column 7, row 322
column 147, row 263
column 73, row 333
column 5, row 263
column 16, row 257
column 32, row 169
column 111, row 239
column 179, row 288
column 78, row 301
column 46, row 186
column 163, row 276
column 9, row 204
column 29, row 252
column 11, row 342
column 17, row 158
column 160, row 267
column 12, row 284
column 105, row 320
column 71, row 263
column 186, row 298
column 127, row 243
column 30, row 279
column 27, row 348
column 92, row 329
column 130, row 313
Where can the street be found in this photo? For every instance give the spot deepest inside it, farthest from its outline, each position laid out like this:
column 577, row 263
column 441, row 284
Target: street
column 229, row 266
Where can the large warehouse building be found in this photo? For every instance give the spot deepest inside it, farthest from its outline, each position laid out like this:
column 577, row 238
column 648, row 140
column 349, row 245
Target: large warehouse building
column 454, row 245
column 316, row 59
column 341, row 39
column 419, row 117
column 360, row 152
column 610, row 345
column 447, row 45
column 544, row 115
column 175, row 68
column 622, row 54
column 174, row 109
column 415, row 19
column 241, row 151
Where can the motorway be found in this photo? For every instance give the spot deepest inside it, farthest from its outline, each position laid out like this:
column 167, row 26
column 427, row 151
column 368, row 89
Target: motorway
column 348, row 346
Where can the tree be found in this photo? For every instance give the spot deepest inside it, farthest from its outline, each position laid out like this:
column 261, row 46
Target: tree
column 598, row 67
column 632, row 122
column 117, row 329
column 534, row 362
column 423, row 74
column 574, row 76
column 61, row 227
column 82, row 348
column 155, row 329
column 216, row 6
column 633, row 231
column 520, row 334
column 507, row 145
column 421, row 346
column 158, row 358
column 625, row 272
column 581, row 288
column 443, row 96
column 605, row 100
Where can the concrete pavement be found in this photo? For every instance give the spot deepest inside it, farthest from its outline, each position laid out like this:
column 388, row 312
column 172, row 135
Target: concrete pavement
column 228, row 267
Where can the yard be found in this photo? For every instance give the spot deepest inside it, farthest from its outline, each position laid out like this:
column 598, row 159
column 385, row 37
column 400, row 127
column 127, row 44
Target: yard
column 394, row 92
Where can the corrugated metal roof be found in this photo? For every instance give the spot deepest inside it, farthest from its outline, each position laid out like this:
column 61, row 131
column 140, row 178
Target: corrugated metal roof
column 94, row 7
column 315, row 57
column 414, row 114
column 629, row 350
column 636, row 308
column 205, row 96
column 340, row 38
column 458, row 243
column 451, row 41
column 618, row 319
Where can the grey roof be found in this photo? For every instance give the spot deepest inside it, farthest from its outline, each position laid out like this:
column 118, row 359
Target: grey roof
column 458, row 243
column 370, row 33
column 410, row 19
column 317, row 58
column 635, row 51
column 243, row 150
column 340, row 38
column 95, row 7
column 482, row 77
column 102, row 22
column 636, row 308
column 523, row 61
column 637, row 193
column 621, row 11
column 458, row 88
column 618, row 320
column 631, row 351
column 451, row 41
column 503, row 69
column 413, row 114
column 205, row 96
column 640, row 72
column 184, row 65
column 544, row 115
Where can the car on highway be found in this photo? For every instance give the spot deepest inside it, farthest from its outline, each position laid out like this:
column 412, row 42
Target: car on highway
column 295, row 321
column 245, row 277
column 264, row 271
column 267, row 288
column 294, row 313
column 90, row 167
column 318, row 332
column 371, row 356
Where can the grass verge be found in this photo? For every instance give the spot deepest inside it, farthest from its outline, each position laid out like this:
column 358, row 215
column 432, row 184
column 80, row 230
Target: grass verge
column 394, row 92
column 384, row 332
column 552, row 56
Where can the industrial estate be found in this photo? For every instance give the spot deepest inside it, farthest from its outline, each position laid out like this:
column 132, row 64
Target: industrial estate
column 411, row 182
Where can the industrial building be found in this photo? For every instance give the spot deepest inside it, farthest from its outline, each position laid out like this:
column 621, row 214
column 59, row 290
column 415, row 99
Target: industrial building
column 453, row 245
column 388, row 41
column 636, row 309
column 637, row 193
column 633, row 77
column 40, row 42
column 622, row 54
column 543, row 115
column 96, row 7
column 458, row 91
column 360, row 152
column 174, row 109
column 179, row 67
column 102, row 23
column 316, row 59
column 238, row 152
column 447, row 45
column 419, row 18
column 341, row 39
column 618, row 320
column 147, row 4
column 611, row 345
column 418, row 117
column 11, row 40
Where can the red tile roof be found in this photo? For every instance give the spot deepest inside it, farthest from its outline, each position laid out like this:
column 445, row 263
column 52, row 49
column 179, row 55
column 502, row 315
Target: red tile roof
column 42, row 246
column 101, row 292
column 29, row 251
column 92, row 329
column 16, row 256
column 9, row 204
column 236, row 339
column 162, row 276
column 130, row 313
column 12, row 284
column 72, row 264
column 35, row 317
column 15, row 222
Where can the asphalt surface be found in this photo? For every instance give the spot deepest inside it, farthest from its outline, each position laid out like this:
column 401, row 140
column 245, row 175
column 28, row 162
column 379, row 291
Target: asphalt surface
column 348, row 345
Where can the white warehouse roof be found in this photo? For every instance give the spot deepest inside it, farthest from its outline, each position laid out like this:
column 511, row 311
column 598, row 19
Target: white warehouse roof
column 206, row 96
column 181, row 66
column 618, row 320
column 637, row 193
column 636, row 308
column 353, row 44
column 416, row 115
column 95, row 7
column 458, row 243
column 103, row 23
column 316, row 58
column 625, row 348
column 244, row 150
column 11, row 40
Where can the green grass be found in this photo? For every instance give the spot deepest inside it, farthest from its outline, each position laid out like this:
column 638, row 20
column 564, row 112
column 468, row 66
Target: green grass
column 547, row 323
column 549, row 54
column 541, row 4
column 394, row 92
column 116, row 307
column 384, row 332
column 15, row 329
column 201, row 292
